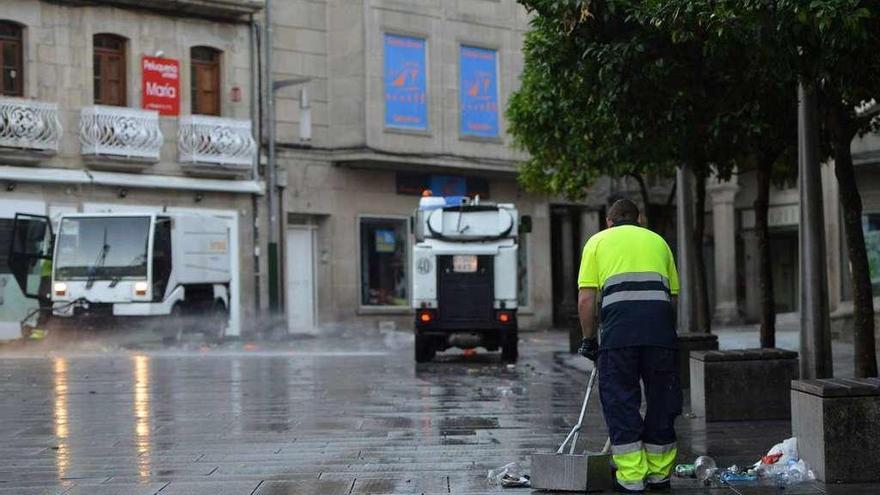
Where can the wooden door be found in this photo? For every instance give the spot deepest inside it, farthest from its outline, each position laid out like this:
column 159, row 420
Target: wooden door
column 11, row 60
column 109, row 70
column 205, row 81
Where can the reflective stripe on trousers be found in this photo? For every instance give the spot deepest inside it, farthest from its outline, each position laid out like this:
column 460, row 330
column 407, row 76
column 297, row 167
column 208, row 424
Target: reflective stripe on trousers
column 660, row 460
column 631, row 463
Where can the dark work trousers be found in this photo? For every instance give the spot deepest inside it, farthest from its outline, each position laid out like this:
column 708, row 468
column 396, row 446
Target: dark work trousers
column 620, row 371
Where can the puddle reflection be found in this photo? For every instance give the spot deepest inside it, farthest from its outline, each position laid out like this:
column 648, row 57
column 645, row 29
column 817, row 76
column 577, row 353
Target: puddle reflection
column 142, row 414
column 61, row 416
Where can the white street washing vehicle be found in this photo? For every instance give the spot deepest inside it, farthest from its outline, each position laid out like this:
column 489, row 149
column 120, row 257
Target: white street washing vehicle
column 122, row 267
column 465, row 276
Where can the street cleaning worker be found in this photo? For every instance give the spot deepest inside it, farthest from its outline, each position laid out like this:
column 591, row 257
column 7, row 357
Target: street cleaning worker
column 629, row 272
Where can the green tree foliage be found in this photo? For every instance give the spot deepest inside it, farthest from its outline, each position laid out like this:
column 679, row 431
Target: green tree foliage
column 622, row 87
column 614, row 87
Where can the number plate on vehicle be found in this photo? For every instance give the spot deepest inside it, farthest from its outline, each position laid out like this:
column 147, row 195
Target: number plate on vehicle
column 464, row 264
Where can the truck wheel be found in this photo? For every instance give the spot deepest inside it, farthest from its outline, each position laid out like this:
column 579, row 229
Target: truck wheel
column 424, row 349
column 510, row 348
column 218, row 323
column 174, row 331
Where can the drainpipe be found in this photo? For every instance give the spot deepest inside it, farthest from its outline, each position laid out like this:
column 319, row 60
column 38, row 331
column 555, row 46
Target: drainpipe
column 271, row 174
column 257, row 130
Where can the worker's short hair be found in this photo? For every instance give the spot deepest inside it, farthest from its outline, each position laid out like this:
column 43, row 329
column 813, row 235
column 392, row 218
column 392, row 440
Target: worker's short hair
column 623, row 210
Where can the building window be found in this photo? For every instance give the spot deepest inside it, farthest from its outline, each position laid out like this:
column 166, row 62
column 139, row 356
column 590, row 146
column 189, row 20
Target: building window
column 205, row 80
column 109, row 68
column 442, row 185
column 11, row 60
column 384, row 277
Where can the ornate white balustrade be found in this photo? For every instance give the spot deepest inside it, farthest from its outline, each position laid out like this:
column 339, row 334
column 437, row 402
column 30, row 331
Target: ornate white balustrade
column 120, row 132
column 228, row 143
column 29, row 125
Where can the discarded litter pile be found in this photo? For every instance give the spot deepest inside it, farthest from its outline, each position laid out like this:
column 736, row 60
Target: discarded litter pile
column 509, row 476
column 781, row 466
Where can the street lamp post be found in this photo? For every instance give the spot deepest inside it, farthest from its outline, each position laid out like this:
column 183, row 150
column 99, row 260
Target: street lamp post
column 272, row 172
column 815, row 359
column 274, row 218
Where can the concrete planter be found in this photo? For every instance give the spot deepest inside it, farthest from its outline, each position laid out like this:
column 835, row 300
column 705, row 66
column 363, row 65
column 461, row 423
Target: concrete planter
column 688, row 342
column 837, row 424
column 740, row 385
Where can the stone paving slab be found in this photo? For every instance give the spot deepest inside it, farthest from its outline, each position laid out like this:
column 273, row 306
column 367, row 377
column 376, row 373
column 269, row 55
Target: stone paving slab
column 117, row 489
column 57, row 490
column 303, row 487
column 212, row 487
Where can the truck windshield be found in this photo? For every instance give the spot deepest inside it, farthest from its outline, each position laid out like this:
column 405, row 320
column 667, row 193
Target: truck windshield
column 102, row 248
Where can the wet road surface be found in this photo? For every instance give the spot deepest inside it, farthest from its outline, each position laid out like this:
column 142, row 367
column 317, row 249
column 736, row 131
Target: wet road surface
column 349, row 413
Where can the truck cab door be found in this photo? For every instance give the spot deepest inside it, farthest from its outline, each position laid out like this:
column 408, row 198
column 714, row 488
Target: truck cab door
column 29, row 251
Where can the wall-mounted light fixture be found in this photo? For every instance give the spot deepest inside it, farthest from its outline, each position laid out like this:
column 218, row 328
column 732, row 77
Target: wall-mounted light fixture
column 10, row 186
column 199, row 197
column 123, row 192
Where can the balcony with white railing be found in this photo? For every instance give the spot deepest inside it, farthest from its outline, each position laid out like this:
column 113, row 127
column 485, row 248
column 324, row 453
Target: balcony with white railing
column 216, row 145
column 30, row 128
column 120, row 135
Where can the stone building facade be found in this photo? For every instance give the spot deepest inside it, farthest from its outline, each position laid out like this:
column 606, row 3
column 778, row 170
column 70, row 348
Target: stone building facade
column 732, row 247
column 84, row 84
column 361, row 172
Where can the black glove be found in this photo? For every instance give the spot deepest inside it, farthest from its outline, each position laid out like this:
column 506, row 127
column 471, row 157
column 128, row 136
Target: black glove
column 589, row 349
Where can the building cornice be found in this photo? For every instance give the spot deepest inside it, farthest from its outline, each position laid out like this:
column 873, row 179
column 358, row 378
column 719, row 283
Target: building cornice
column 366, row 157
column 210, row 9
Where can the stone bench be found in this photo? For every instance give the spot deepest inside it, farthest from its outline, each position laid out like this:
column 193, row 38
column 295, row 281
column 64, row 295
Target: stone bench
column 688, row 342
column 837, row 425
column 746, row 384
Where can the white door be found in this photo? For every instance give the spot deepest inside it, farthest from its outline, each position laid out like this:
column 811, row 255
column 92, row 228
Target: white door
column 300, row 257
column 14, row 306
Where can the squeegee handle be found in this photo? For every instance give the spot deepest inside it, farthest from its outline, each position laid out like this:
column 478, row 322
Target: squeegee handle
column 573, row 434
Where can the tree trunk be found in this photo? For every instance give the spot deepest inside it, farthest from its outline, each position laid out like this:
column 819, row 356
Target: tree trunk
column 765, row 263
column 704, row 315
column 860, row 274
column 647, row 214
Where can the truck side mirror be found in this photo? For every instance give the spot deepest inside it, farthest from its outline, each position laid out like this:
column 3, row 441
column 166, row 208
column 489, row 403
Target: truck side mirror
column 525, row 224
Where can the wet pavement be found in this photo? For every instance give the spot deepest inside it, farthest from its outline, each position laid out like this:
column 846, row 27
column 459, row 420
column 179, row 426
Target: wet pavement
column 348, row 413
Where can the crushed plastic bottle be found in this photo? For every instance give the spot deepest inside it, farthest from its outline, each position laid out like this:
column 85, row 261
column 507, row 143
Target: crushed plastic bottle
column 705, row 468
column 732, row 477
column 510, row 471
column 797, row 471
column 685, row 471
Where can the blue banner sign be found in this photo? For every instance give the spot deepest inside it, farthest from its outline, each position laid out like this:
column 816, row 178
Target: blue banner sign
column 406, row 103
column 448, row 185
column 478, row 87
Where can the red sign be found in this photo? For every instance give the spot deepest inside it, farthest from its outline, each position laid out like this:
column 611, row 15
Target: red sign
column 161, row 85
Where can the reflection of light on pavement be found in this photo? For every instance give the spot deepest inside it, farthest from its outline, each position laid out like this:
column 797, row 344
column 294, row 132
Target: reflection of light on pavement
column 61, row 416
column 235, row 395
column 142, row 414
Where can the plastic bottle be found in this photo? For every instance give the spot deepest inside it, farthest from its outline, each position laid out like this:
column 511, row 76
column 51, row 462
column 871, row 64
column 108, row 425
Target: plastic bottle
column 685, row 471
column 797, row 471
column 732, row 477
column 705, row 468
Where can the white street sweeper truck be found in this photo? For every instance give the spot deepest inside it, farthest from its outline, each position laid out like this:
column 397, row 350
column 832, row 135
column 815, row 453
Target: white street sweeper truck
column 465, row 275
column 167, row 270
